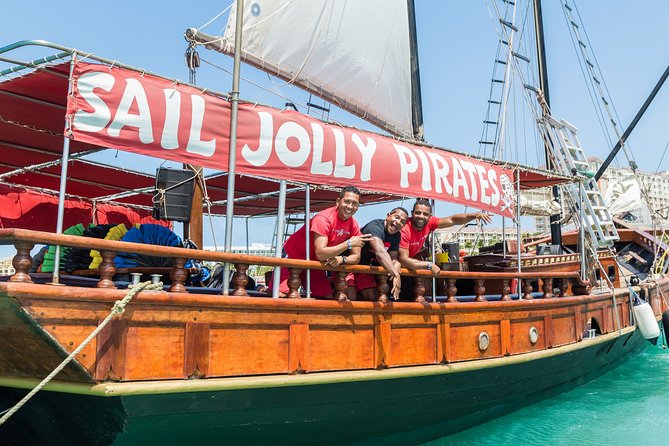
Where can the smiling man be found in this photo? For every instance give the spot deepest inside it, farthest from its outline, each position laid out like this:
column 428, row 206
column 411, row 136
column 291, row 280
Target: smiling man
column 418, row 228
column 381, row 250
column 336, row 240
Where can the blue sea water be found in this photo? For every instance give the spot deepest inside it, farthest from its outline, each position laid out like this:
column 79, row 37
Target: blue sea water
column 628, row 406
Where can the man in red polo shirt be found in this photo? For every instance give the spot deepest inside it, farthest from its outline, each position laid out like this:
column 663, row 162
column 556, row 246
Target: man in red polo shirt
column 336, row 240
column 415, row 232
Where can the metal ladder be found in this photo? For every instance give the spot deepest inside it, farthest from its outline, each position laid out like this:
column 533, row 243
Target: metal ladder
column 570, row 159
column 491, row 133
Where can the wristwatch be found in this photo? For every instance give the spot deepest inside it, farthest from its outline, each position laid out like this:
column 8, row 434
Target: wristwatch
column 429, row 265
column 343, row 260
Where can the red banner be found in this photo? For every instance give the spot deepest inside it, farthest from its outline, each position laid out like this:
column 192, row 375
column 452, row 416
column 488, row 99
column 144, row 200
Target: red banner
column 155, row 117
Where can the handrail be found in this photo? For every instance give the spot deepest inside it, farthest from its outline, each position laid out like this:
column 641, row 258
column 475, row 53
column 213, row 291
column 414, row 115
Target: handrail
column 11, row 235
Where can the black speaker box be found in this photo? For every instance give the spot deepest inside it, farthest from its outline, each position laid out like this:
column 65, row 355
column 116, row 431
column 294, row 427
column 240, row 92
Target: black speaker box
column 173, row 196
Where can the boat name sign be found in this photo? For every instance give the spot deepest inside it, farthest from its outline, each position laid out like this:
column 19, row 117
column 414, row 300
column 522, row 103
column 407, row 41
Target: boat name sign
column 152, row 116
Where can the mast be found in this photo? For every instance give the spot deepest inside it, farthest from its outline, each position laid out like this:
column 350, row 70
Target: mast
column 556, row 230
column 416, row 101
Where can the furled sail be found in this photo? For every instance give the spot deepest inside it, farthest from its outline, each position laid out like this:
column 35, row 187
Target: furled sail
column 356, row 55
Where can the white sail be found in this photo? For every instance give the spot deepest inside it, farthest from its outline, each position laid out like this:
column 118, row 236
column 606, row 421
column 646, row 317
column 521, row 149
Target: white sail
column 355, row 54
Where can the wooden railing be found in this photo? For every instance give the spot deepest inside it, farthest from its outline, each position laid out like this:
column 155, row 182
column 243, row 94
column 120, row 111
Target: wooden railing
column 24, row 241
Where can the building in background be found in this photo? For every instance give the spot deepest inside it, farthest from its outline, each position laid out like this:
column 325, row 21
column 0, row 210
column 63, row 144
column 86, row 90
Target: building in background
column 6, row 267
column 655, row 186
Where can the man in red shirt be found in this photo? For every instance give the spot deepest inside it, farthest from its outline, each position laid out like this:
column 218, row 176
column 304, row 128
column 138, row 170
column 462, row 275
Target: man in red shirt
column 336, row 240
column 418, row 228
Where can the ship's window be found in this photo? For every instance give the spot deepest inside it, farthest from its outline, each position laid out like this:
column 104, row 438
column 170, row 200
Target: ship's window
column 611, row 272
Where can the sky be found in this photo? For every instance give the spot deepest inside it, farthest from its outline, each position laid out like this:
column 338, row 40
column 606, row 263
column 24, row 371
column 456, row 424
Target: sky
column 457, row 43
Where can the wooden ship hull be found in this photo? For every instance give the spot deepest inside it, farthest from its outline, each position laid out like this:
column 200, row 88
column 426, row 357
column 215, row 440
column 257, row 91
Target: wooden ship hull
column 182, row 365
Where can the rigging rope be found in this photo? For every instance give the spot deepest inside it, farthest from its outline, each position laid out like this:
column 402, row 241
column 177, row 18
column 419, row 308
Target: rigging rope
column 117, row 309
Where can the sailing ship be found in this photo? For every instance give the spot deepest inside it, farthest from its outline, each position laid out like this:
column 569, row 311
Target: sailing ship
column 180, row 363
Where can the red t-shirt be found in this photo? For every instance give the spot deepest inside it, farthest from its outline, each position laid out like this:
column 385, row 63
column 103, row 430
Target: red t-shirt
column 413, row 239
column 326, row 223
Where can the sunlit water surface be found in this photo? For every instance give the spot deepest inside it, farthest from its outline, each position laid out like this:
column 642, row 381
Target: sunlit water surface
column 628, row 406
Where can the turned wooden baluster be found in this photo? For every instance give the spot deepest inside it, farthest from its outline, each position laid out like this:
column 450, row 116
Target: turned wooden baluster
column 22, row 262
column 178, row 275
column 527, row 289
column 451, row 291
column 340, row 286
column 240, row 280
column 547, row 288
column 479, row 290
column 419, row 289
column 563, row 286
column 506, row 289
column 382, row 287
column 107, row 269
column 294, row 283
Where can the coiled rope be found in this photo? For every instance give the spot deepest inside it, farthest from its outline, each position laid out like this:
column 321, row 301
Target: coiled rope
column 117, row 309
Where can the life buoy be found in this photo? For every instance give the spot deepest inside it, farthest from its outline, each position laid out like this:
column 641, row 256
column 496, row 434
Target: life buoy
column 645, row 320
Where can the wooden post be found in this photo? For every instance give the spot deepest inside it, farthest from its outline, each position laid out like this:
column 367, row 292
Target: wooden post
column 240, row 280
column 451, row 291
column 340, row 286
column 479, row 290
column 382, row 344
column 294, row 283
column 179, row 276
column 107, row 269
column 419, row 289
column 22, row 262
column 382, row 287
column 196, row 350
column 194, row 226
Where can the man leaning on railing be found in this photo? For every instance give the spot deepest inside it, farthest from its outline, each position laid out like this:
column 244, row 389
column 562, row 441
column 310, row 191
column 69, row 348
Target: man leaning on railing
column 336, row 240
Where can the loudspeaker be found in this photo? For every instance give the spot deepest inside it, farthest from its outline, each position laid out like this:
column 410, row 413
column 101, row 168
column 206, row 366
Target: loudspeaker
column 173, row 196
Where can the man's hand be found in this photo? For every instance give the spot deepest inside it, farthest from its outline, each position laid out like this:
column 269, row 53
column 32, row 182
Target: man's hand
column 334, row 261
column 435, row 269
column 483, row 217
column 358, row 241
column 397, row 285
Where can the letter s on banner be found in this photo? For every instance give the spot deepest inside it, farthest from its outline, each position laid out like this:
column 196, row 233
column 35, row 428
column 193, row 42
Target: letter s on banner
column 98, row 119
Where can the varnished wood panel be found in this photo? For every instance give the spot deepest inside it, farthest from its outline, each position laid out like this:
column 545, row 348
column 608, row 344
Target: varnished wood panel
column 154, row 352
column 332, row 348
column 520, row 335
column 237, row 350
column 414, row 345
column 465, row 341
column 563, row 330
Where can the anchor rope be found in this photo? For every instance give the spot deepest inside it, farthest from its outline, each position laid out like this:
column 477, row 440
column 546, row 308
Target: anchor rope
column 117, row 309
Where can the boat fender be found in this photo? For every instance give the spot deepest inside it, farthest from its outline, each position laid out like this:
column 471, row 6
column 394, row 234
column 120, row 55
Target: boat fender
column 645, row 320
column 665, row 326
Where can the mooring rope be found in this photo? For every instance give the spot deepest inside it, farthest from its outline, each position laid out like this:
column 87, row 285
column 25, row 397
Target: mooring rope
column 118, row 308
